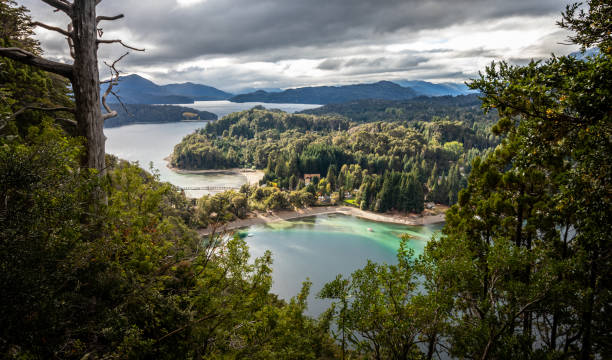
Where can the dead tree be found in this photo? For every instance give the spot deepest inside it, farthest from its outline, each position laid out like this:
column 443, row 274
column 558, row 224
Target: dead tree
column 83, row 35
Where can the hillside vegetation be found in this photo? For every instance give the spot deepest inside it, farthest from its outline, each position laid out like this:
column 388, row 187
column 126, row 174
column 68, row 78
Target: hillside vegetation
column 330, row 94
column 377, row 159
column 153, row 114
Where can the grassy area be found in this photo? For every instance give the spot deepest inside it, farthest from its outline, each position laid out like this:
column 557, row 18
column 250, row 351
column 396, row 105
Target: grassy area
column 350, row 202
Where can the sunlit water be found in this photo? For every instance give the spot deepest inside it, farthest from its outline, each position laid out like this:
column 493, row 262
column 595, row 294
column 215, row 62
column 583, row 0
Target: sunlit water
column 323, row 246
column 152, row 143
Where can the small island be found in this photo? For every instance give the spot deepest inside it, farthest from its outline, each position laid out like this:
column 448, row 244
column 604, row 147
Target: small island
column 128, row 114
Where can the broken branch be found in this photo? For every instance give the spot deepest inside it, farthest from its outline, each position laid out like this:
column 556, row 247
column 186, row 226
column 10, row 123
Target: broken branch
column 109, row 18
column 119, row 42
column 70, row 42
column 114, row 79
column 53, row 28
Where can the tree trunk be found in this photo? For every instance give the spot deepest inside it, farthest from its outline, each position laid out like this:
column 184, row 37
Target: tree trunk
column 587, row 317
column 86, row 83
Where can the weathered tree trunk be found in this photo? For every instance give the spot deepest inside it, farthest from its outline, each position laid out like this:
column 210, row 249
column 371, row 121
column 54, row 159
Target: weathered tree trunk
column 82, row 36
column 86, row 83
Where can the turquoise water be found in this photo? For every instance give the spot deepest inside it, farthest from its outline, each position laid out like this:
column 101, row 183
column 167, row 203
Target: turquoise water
column 323, row 246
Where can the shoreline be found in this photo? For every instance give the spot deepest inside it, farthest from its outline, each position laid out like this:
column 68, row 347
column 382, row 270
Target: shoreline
column 258, row 217
column 252, row 176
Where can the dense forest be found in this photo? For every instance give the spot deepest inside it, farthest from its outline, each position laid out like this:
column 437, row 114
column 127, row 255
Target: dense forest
column 389, row 165
column 109, row 265
column 131, row 114
column 465, row 108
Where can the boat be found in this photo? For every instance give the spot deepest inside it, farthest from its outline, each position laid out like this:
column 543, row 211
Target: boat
column 370, row 230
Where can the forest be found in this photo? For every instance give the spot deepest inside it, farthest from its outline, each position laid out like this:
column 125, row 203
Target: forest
column 416, row 160
column 132, row 113
column 101, row 260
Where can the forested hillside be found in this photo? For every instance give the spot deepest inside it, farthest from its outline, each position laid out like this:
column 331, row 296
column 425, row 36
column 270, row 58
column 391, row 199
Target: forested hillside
column 464, row 108
column 330, row 94
column 150, row 114
column 426, row 160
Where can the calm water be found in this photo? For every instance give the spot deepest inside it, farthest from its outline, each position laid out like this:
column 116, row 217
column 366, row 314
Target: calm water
column 148, row 143
column 323, row 246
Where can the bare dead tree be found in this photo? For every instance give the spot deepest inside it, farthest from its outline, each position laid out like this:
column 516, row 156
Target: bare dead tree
column 83, row 36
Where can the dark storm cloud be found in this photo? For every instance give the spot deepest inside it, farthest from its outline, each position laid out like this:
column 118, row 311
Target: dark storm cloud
column 273, row 43
column 330, row 64
column 224, row 27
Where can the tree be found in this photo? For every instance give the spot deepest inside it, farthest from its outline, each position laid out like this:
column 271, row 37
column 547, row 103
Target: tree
column 378, row 310
column 522, row 251
column 83, row 40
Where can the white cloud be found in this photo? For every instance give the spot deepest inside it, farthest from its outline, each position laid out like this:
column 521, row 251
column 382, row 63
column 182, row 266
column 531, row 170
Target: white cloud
column 233, row 44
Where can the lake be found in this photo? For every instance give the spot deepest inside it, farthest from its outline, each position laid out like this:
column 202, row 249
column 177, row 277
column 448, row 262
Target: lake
column 152, row 143
column 323, row 246
column 317, row 247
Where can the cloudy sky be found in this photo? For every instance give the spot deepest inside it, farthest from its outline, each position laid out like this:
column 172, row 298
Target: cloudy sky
column 237, row 44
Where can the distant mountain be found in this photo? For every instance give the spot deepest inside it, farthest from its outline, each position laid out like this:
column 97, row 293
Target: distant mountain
column 251, row 90
column 331, row 94
column 153, row 114
column 197, row 91
column 425, row 88
column 134, row 89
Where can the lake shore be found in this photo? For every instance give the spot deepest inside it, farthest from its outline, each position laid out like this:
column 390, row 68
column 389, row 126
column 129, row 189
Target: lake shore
column 259, row 217
column 252, row 176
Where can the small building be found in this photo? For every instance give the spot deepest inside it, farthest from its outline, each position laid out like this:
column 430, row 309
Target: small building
column 308, row 178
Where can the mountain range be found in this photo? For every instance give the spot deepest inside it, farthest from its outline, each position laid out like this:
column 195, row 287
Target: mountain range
column 424, row 88
column 134, row 89
column 331, row 94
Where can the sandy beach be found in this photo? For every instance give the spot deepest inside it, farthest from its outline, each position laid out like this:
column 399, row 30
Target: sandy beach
column 258, row 217
column 252, row 176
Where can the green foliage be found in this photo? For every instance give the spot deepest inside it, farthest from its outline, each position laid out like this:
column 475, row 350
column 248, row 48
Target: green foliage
column 134, row 280
column 591, row 27
column 379, row 312
column 521, row 267
column 289, row 146
column 521, row 256
column 23, row 85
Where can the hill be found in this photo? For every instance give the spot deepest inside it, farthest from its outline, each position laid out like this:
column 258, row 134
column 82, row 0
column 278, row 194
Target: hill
column 330, row 94
column 426, row 88
column 463, row 108
column 134, row 89
column 151, row 114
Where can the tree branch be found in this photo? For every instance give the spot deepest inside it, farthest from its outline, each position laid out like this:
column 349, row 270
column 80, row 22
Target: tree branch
column 119, row 42
column 28, row 58
column 53, row 28
column 38, row 108
column 114, row 80
column 70, row 42
column 109, row 18
column 61, row 5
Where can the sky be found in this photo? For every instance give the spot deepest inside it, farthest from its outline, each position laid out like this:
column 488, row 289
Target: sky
column 240, row 44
